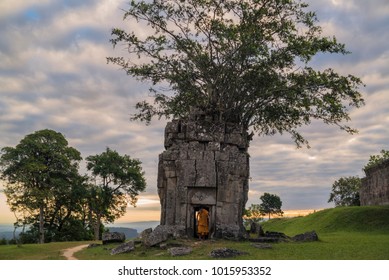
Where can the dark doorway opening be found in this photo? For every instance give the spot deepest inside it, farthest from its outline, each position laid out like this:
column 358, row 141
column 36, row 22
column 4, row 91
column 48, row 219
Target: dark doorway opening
column 196, row 210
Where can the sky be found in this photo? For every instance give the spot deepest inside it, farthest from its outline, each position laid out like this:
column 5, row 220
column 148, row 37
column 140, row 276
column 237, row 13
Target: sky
column 53, row 74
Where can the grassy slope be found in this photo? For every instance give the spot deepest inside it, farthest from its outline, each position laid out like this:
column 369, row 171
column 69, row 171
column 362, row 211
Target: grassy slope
column 368, row 219
column 344, row 233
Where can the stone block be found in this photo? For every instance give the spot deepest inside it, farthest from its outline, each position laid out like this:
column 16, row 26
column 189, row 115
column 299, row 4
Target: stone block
column 205, row 173
column 186, row 172
column 123, row 248
column 113, row 237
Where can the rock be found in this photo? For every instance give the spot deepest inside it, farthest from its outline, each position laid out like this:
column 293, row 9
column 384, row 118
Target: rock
column 276, row 234
column 253, row 227
column 144, row 234
column 256, row 229
column 180, row 251
column 306, row 237
column 113, row 237
column 262, row 246
column 225, row 253
column 162, row 233
column 123, row 248
column 271, row 237
column 266, row 239
column 93, row 245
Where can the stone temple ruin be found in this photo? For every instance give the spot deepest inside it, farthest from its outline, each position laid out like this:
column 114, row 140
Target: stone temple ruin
column 375, row 186
column 205, row 164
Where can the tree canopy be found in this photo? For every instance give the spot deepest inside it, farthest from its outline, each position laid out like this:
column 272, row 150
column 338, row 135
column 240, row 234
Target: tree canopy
column 42, row 166
column 345, row 191
column 245, row 61
column 46, row 192
column 118, row 180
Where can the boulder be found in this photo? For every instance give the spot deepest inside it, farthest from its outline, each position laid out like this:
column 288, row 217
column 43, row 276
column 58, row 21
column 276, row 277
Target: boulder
column 180, row 251
column 271, row 237
column 306, row 237
column 225, row 253
column 262, row 246
column 162, row 233
column 123, row 248
column 253, row 227
column 144, row 234
column 113, row 237
column 256, row 229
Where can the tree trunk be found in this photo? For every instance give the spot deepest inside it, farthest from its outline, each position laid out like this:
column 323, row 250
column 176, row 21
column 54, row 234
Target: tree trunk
column 41, row 225
column 97, row 228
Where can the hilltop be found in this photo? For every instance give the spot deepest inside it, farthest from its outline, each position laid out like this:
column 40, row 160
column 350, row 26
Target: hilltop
column 362, row 219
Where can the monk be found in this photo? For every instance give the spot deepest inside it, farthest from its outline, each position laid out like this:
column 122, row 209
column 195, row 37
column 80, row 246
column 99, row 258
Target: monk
column 202, row 223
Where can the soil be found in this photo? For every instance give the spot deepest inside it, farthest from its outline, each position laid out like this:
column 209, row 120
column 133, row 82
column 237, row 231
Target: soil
column 68, row 253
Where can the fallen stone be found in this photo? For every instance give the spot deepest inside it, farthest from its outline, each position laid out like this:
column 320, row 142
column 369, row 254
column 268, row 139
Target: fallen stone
column 144, row 234
column 180, row 251
column 262, row 246
column 113, row 237
column 93, row 245
column 306, row 237
column 266, row 239
column 162, row 233
column 123, row 248
column 276, row 234
column 225, row 253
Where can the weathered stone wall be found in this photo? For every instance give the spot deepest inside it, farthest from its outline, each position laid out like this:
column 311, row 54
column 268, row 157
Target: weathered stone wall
column 205, row 164
column 375, row 186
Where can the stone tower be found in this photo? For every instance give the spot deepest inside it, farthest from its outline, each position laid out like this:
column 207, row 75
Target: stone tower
column 205, row 164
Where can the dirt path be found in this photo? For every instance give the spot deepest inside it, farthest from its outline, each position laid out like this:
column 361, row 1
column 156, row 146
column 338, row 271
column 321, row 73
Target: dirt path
column 68, row 253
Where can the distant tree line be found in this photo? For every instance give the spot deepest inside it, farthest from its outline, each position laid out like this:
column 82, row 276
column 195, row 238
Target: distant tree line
column 52, row 201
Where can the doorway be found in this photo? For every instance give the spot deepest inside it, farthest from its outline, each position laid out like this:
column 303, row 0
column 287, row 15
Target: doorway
column 196, row 211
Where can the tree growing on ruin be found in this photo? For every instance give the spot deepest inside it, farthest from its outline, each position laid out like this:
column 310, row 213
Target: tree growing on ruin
column 375, row 160
column 247, row 62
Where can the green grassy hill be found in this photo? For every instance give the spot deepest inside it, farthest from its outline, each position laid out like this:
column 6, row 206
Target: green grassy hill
column 366, row 219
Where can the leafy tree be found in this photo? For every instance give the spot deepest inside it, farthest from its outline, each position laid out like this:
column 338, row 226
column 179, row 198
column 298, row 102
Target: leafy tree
column 377, row 159
column 345, row 191
column 245, row 62
column 118, row 181
column 271, row 205
column 36, row 170
column 252, row 215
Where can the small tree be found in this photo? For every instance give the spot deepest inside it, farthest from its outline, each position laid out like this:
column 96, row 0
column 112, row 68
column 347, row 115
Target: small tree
column 118, row 181
column 345, row 192
column 271, row 205
column 252, row 215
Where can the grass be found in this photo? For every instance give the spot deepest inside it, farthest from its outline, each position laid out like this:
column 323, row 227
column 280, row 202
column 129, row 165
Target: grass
column 351, row 233
column 48, row 251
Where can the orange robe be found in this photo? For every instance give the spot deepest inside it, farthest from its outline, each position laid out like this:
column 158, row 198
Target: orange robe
column 202, row 222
